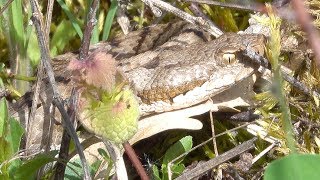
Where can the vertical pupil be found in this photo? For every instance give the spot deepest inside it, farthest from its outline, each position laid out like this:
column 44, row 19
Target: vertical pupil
column 229, row 58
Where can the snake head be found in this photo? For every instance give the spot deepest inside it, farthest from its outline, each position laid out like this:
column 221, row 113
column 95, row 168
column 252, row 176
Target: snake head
column 231, row 46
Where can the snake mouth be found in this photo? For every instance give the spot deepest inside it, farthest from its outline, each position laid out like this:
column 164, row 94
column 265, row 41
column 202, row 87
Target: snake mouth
column 218, row 82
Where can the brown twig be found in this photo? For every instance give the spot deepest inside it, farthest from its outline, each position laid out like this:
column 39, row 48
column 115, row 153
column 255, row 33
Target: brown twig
column 4, row 93
column 305, row 20
column 194, row 7
column 294, row 82
column 43, row 44
column 135, row 161
column 65, row 142
column 198, row 21
column 198, row 170
column 68, row 125
column 116, row 155
column 5, row 6
column 40, row 75
column 208, row 140
column 35, row 99
column 45, row 59
column 214, row 140
column 281, row 8
column 91, row 22
column 48, row 17
column 250, row 7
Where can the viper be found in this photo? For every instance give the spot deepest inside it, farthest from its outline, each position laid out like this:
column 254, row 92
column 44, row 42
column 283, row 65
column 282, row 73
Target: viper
column 173, row 66
column 170, row 67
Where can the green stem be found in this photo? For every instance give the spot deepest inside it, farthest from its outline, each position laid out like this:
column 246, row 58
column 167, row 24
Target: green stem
column 286, row 115
column 17, row 77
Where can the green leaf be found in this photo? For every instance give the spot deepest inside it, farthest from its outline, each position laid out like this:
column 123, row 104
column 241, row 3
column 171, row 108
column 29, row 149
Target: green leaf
column 32, row 47
column 294, row 166
column 9, row 145
column 16, row 134
column 177, row 169
column 106, row 156
column 155, row 173
column 3, row 112
column 17, row 22
column 10, row 142
column 103, row 153
column 71, row 17
column 222, row 16
column 28, row 169
column 61, row 37
column 95, row 35
column 31, row 43
column 17, row 42
column 74, row 170
column 4, row 176
column 94, row 167
column 14, row 165
column 5, row 148
column 180, row 147
column 109, row 19
column 5, row 151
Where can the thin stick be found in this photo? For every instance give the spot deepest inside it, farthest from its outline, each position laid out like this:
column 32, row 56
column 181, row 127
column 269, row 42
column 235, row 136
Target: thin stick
column 199, row 21
column 198, row 170
column 91, row 22
column 117, row 158
column 4, row 93
column 214, row 141
column 250, row 7
column 194, row 7
column 68, row 125
column 65, row 142
column 210, row 139
column 135, row 161
column 215, row 147
column 40, row 74
column 281, row 8
column 48, row 17
column 45, row 58
column 5, row 6
column 263, row 62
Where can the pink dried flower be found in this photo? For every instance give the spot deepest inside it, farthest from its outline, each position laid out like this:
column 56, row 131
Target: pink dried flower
column 99, row 70
column 76, row 65
column 119, row 107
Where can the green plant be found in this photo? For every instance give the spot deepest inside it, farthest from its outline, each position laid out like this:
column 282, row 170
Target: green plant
column 293, row 166
column 10, row 137
column 177, row 149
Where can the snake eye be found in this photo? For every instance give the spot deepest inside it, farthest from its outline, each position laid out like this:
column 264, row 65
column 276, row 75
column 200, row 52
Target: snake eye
column 229, row 58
